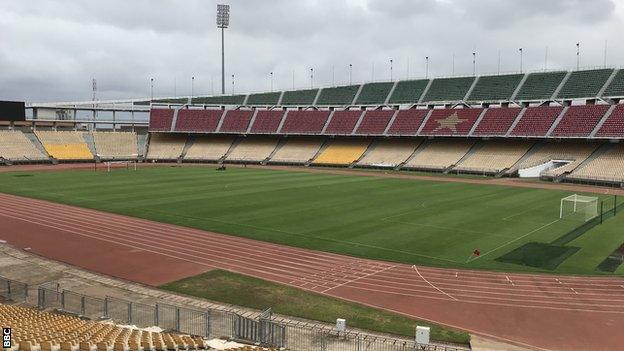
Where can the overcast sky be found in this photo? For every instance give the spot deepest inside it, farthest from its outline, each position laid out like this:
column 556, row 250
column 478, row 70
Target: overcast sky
column 51, row 49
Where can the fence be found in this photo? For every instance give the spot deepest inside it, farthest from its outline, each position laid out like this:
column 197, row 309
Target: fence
column 13, row 290
column 165, row 316
column 265, row 329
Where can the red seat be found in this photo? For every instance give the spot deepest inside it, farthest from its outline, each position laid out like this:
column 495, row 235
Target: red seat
column 580, row 120
column 197, row 120
column 160, row 119
column 407, row 122
column 267, row 121
column 451, row 121
column 613, row 127
column 497, row 121
column 305, row 122
column 236, row 121
column 536, row 121
column 343, row 122
column 375, row 122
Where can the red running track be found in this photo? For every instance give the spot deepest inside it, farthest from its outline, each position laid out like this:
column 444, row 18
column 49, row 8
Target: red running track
column 539, row 311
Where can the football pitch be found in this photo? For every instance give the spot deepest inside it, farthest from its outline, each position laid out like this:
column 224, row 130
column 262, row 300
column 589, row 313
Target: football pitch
column 404, row 220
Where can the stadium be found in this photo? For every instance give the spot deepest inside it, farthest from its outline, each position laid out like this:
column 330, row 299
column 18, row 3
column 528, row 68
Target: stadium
column 461, row 212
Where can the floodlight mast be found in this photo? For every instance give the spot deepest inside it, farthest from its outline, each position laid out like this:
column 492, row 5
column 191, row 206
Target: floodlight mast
column 223, row 21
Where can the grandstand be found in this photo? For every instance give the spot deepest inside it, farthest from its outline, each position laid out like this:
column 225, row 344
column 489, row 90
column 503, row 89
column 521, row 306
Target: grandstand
column 115, row 145
column 494, row 157
column 165, row 147
column 408, row 91
column 342, row 152
column 608, row 166
column 439, row 154
column 374, row 93
column 65, row 145
column 337, row 95
column 297, row 150
column 540, row 86
column 495, row 88
column 389, row 153
column 343, row 122
column 34, row 330
column 16, row 147
column 252, row 149
column 208, row 148
column 448, row 89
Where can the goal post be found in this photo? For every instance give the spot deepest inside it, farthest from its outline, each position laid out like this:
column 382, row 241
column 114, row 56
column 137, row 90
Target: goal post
column 128, row 165
column 579, row 206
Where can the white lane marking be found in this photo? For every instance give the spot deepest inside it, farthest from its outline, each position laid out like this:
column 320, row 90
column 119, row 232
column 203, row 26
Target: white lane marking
column 359, row 278
column 509, row 280
column 433, row 286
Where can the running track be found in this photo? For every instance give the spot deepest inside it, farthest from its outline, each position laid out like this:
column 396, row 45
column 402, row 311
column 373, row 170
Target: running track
column 539, row 311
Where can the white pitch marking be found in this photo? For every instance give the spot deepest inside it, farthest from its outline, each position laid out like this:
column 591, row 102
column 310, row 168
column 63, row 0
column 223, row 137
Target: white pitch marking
column 433, row 286
column 574, row 290
column 358, row 278
column 456, row 274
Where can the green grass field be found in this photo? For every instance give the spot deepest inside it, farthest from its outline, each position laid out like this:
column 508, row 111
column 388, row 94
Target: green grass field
column 256, row 293
column 404, row 220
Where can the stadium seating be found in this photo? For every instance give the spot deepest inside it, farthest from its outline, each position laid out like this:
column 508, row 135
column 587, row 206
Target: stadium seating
column 540, row 86
column 574, row 152
column 343, row 122
column 495, row 88
column 299, row 97
column 580, row 121
column 297, row 150
column 15, row 146
column 236, row 121
column 613, row 127
column 269, row 99
column 408, row 91
column 448, row 89
column 197, row 120
column 116, row 145
column 608, row 166
column 374, row 93
column 497, row 121
column 338, row 95
column 267, row 121
column 165, row 146
column 407, row 122
column 65, row 145
column 160, row 119
column 305, row 121
column 208, row 148
column 440, row 154
column 451, row 121
column 220, row 100
column 494, row 156
column 616, row 87
column 34, row 330
column 253, row 149
column 585, row 84
column 536, row 121
column 375, row 122
column 342, row 152
column 389, row 153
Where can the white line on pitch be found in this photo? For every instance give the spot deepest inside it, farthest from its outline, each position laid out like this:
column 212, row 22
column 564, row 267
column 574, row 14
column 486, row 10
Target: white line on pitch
column 574, row 290
column 433, row 286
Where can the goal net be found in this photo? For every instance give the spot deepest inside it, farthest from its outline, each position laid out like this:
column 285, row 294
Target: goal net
column 579, row 206
column 127, row 165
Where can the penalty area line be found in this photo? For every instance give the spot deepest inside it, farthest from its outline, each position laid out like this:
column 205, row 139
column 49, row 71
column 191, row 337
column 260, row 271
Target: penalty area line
column 514, row 240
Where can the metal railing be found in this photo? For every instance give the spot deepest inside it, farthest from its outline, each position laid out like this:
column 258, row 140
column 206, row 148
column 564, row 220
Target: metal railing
column 262, row 329
column 13, row 290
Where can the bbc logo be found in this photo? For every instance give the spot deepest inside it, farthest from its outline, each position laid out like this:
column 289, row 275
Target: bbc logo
column 6, row 338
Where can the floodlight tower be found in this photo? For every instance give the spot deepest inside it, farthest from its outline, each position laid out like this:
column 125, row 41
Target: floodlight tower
column 223, row 21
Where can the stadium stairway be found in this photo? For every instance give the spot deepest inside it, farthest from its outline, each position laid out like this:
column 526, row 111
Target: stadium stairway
column 561, row 85
column 602, row 121
column 476, row 146
column 88, row 138
column 418, row 149
column 33, row 139
column 187, row 145
column 280, row 143
column 514, row 169
column 324, row 146
column 142, row 145
column 597, row 153
column 371, row 147
column 229, row 151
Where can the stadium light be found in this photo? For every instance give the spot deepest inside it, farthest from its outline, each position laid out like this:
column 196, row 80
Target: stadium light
column 520, row 59
column 474, row 63
column 390, row 69
column 426, row 66
column 232, row 84
column 271, row 77
column 151, row 89
column 350, row 74
column 578, row 54
column 311, row 77
column 223, row 21
column 192, row 87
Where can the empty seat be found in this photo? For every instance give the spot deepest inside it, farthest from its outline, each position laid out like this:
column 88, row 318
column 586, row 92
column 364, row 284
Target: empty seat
column 494, row 156
column 297, row 150
column 209, row 148
column 536, row 121
column 15, row 146
column 440, row 154
column 375, row 122
column 165, row 146
column 65, row 145
column 116, row 145
column 343, row 122
column 451, row 121
column 389, row 153
column 613, row 126
column 608, row 166
column 190, row 120
column 160, row 119
column 407, row 122
column 305, row 122
column 497, row 121
column 580, row 121
column 236, row 121
column 267, row 121
column 342, row 152
column 253, row 149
